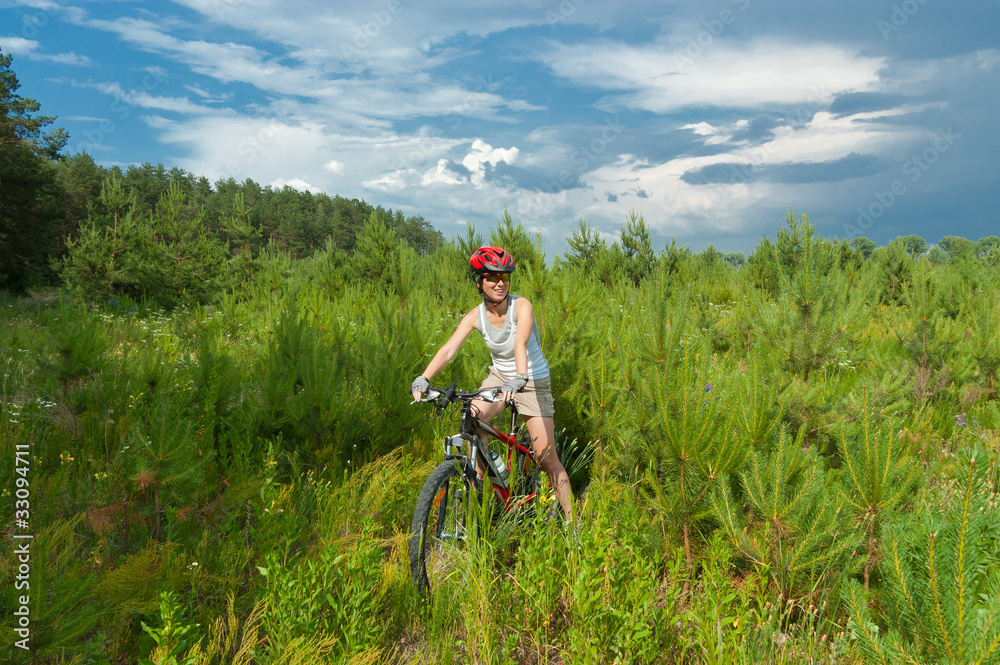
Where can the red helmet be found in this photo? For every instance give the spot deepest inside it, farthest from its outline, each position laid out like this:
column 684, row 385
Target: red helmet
column 491, row 259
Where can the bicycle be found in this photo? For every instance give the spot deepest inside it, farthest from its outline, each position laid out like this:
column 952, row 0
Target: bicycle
column 443, row 507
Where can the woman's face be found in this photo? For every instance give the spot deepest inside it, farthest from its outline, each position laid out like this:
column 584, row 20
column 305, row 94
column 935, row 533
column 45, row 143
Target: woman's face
column 495, row 285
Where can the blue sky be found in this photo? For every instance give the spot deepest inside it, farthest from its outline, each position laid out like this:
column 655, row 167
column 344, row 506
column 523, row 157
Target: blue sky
column 711, row 119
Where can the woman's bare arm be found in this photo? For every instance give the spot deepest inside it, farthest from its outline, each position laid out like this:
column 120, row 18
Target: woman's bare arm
column 448, row 350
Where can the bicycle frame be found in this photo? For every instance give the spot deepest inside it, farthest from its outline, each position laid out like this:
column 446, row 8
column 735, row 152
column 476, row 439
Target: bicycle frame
column 470, row 429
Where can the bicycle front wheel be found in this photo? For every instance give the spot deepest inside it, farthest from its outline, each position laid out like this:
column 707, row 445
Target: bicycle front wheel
column 440, row 525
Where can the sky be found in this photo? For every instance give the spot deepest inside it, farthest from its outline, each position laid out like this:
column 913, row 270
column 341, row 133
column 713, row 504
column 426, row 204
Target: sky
column 710, row 119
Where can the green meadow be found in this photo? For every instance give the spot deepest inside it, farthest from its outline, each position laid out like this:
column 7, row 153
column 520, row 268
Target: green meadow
column 784, row 458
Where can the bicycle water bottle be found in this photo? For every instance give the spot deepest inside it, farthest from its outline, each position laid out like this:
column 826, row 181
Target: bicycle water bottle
column 499, row 467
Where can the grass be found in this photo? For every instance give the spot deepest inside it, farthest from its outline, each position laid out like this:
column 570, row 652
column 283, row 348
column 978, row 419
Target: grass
column 258, row 464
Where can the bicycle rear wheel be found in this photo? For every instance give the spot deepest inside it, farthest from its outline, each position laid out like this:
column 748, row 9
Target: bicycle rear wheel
column 440, row 525
column 526, row 478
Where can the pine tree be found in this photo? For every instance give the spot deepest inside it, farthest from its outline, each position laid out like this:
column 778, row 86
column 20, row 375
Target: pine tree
column 468, row 244
column 817, row 309
column 243, row 237
column 941, row 594
column 29, row 211
column 757, row 412
column 789, row 526
column 895, row 270
column 174, row 260
column 519, row 244
column 637, row 248
column 95, row 265
column 877, row 475
column 376, row 253
column 927, row 333
column 76, row 345
column 173, row 468
column 168, row 258
column 683, row 424
column 984, row 341
column 585, row 245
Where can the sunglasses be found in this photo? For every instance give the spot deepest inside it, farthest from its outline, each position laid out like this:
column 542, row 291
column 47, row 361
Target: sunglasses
column 496, row 277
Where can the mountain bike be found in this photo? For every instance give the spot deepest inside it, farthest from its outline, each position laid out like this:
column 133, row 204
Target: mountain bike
column 453, row 493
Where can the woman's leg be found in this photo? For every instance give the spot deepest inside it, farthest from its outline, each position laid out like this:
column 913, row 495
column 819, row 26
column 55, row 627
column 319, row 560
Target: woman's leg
column 543, row 439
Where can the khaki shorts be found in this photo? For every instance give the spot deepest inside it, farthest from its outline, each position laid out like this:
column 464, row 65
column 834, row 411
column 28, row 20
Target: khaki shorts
column 534, row 400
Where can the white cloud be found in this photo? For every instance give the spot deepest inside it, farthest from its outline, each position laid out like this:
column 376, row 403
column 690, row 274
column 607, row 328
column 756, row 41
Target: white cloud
column 391, row 38
column 764, row 72
column 713, row 135
column 295, row 183
column 18, row 45
column 442, row 175
column 44, row 5
column 334, row 166
column 70, row 58
column 987, row 59
column 482, row 153
column 392, row 181
column 29, row 49
column 701, row 128
column 366, row 102
column 143, row 98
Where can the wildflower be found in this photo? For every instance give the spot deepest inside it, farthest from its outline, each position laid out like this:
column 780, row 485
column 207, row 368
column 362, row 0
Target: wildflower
column 960, row 420
column 708, row 386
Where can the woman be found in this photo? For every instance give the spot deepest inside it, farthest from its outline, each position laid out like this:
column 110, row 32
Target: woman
column 507, row 323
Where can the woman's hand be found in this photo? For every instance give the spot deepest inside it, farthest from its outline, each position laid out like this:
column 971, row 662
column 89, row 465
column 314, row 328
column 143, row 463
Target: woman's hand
column 512, row 386
column 419, row 386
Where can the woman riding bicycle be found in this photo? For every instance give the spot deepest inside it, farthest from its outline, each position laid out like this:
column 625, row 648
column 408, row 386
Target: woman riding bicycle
column 507, row 323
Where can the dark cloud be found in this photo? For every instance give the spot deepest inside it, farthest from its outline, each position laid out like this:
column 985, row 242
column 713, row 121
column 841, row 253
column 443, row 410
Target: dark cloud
column 851, row 166
column 757, row 130
column 534, row 180
column 864, row 102
column 724, row 173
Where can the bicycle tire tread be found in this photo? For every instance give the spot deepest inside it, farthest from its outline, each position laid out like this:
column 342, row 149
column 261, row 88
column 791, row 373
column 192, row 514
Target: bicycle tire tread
column 421, row 516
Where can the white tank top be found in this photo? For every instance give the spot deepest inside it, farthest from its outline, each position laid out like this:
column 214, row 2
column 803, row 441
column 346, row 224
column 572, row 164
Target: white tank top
column 501, row 343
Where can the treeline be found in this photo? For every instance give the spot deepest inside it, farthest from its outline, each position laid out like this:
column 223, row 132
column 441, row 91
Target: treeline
column 82, row 199
column 49, row 200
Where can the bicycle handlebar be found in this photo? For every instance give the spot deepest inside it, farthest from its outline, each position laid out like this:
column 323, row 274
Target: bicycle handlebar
column 444, row 397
